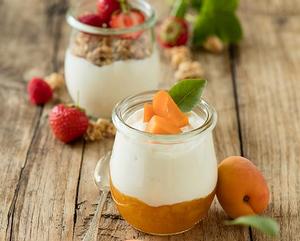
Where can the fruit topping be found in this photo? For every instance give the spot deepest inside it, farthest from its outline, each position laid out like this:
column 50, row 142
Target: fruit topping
column 148, row 112
column 161, row 125
column 164, row 106
column 39, row 91
column 92, row 20
column 106, row 9
column 166, row 113
column 127, row 19
column 68, row 122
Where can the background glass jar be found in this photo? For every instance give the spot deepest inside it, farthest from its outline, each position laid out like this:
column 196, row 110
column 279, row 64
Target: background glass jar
column 104, row 65
column 163, row 184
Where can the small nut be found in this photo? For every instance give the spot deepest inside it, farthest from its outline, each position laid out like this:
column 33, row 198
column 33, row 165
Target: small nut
column 213, row 44
column 99, row 130
column 93, row 133
column 177, row 55
column 189, row 69
column 55, row 80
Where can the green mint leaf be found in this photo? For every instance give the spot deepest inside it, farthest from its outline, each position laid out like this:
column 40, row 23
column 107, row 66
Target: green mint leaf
column 187, row 93
column 217, row 17
column 264, row 224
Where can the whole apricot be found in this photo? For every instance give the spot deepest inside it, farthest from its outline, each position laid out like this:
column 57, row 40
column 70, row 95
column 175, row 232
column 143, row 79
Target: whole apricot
column 241, row 188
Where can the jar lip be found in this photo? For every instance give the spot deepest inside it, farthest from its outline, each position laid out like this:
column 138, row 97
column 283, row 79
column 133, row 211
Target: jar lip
column 209, row 122
column 149, row 22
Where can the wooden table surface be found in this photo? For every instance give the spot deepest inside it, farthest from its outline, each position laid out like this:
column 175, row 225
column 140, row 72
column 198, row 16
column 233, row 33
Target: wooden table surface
column 47, row 191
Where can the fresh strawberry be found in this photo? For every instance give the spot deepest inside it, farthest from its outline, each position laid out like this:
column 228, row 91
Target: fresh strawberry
column 173, row 32
column 106, row 9
column 39, row 91
column 68, row 123
column 91, row 19
column 127, row 19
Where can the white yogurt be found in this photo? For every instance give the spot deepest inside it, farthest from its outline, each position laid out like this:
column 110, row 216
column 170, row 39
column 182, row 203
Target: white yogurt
column 162, row 174
column 98, row 89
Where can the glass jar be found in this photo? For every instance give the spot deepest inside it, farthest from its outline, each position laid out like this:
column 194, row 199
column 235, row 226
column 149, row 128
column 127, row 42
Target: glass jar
column 163, row 184
column 104, row 65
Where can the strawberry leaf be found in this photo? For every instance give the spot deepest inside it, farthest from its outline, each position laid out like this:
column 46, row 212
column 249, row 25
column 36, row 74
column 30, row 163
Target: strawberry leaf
column 264, row 224
column 187, row 93
column 179, row 8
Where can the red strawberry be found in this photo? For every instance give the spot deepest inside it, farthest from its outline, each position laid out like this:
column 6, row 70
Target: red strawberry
column 39, row 91
column 68, row 123
column 106, row 9
column 173, row 32
column 127, row 19
column 91, row 19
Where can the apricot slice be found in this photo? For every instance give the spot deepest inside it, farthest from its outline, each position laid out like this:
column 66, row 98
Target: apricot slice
column 148, row 112
column 164, row 106
column 241, row 189
column 160, row 125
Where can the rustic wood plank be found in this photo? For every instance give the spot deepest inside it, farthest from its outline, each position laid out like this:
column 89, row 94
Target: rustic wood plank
column 269, row 103
column 113, row 227
column 18, row 124
column 19, row 53
column 45, row 203
column 26, row 39
column 274, row 7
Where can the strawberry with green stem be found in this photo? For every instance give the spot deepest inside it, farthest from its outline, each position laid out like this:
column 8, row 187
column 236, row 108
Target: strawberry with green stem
column 127, row 17
column 173, row 31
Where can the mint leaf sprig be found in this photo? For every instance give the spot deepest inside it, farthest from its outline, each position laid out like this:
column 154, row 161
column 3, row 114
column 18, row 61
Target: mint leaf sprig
column 187, row 93
column 217, row 18
column 264, row 224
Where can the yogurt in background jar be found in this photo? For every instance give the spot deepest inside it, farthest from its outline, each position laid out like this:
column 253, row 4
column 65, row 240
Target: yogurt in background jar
column 104, row 65
column 100, row 88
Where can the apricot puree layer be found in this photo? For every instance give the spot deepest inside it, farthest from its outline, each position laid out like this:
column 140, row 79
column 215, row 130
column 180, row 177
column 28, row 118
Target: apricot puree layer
column 167, row 219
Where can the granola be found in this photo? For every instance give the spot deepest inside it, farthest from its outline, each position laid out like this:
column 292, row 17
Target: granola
column 104, row 50
column 100, row 129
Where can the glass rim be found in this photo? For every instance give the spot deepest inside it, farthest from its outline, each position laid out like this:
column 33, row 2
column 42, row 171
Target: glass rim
column 148, row 23
column 209, row 122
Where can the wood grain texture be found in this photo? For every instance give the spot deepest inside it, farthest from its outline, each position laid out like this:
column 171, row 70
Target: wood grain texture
column 269, row 103
column 45, row 205
column 271, row 8
column 47, row 190
column 45, row 176
column 15, row 141
column 19, row 52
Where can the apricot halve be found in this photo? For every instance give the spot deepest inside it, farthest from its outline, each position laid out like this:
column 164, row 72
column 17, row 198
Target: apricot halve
column 164, row 106
column 160, row 125
column 148, row 112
